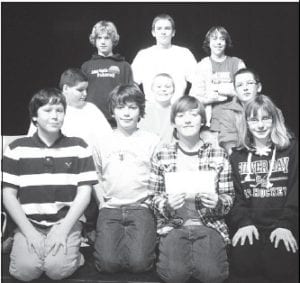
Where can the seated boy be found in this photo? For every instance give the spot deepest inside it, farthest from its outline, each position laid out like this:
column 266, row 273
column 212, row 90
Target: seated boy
column 82, row 119
column 105, row 70
column 125, row 233
column 157, row 113
column 47, row 181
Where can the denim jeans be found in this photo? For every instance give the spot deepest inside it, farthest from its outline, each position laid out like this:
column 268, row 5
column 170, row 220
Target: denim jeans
column 192, row 251
column 26, row 265
column 125, row 239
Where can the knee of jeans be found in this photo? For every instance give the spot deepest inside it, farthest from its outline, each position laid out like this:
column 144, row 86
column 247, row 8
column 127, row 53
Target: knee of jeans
column 175, row 276
column 107, row 266
column 25, row 270
column 213, row 273
column 57, row 269
column 140, row 265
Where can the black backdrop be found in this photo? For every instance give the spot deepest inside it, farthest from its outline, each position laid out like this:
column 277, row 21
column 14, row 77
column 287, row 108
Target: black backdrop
column 41, row 40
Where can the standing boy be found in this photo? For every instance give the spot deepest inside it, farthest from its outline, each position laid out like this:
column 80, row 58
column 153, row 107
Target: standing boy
column 47, row 181
column 105, row 70
column 125, row 234
column 164, row 57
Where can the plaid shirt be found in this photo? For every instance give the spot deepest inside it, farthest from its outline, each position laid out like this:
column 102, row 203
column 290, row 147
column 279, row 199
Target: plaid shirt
column 164, row 160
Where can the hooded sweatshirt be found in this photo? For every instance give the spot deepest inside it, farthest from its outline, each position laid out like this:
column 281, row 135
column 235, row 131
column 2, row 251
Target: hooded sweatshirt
column 104, row 74
column 266, row 206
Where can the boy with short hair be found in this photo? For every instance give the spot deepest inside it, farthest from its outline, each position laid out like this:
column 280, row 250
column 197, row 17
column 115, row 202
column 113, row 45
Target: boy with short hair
column 164, row 57
column 226, row 118
column 47, row 181
column 82, row 119
column 125, row 233
column 157, row 112
column 105, row 70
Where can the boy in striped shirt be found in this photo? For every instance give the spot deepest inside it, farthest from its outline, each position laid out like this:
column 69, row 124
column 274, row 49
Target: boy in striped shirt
column 47, row 182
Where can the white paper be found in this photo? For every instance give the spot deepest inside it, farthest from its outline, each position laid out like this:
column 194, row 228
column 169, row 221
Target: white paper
column 190, row 182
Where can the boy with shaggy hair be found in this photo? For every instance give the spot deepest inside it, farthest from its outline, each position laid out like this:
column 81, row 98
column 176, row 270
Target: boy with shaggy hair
column 105, row 70
column 125, row 234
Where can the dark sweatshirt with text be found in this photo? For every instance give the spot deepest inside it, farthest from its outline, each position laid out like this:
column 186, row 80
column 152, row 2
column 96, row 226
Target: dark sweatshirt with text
column 256, row 203
column 104, row 74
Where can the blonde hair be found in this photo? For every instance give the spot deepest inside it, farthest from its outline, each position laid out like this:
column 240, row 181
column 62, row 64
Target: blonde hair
column 279, row 136
column 164, row 75
column 104, row 27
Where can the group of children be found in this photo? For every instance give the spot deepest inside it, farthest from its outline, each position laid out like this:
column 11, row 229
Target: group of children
column 133, row 139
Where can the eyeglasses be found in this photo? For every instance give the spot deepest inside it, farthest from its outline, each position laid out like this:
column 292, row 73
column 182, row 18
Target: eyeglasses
column 248, row 83
column 264, row 120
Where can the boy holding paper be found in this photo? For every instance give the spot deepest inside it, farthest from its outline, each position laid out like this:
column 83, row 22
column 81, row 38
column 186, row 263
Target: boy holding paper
column 193, row 193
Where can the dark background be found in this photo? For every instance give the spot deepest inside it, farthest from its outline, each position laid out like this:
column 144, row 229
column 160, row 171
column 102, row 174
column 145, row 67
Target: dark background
column 41, row 40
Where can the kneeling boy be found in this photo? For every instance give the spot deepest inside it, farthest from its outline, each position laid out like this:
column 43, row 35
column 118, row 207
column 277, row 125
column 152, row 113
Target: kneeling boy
column 47, row 180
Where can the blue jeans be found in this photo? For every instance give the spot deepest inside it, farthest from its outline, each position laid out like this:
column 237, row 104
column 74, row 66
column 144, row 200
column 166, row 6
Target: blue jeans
column 125, row 239
column 192, row 251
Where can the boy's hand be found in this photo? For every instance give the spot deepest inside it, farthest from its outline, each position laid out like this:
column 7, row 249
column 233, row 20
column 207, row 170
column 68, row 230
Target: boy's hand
column 176, row 201
column 209, row 200
column 36, row 243
column 244, row 233
column 56, row 239
column 285, row 235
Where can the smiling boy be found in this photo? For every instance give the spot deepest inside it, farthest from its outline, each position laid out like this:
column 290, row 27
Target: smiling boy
column 163, row 57
column 125, row 234
column 226, row 118
column 157, row 113
column 47, row 180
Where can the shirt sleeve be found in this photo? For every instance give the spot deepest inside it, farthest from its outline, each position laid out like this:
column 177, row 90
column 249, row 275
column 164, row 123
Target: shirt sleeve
column 137, row 67
column 10, row 168
column 86, row 168
column 157, row 185
column 289, row 215
column 191, row 64
column 240, row 213
column 225, row 189
column 198, row 88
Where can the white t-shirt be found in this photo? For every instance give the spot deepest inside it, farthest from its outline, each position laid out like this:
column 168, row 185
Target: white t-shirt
column 123, row 167
column 157, row 121
column 176, row 61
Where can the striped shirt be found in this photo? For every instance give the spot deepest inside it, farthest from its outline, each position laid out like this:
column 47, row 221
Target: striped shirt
column 47, row 177
column 164, row 161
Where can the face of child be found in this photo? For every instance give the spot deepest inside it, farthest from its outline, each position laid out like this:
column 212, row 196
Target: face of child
column 217, row 44
column 163, row 89
column 163, row 32
column 246, row 87
column 188, row 123
column 260, row 126
column 127, row 116
column 76, row 95
column 50, row 118
column 104, row 44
